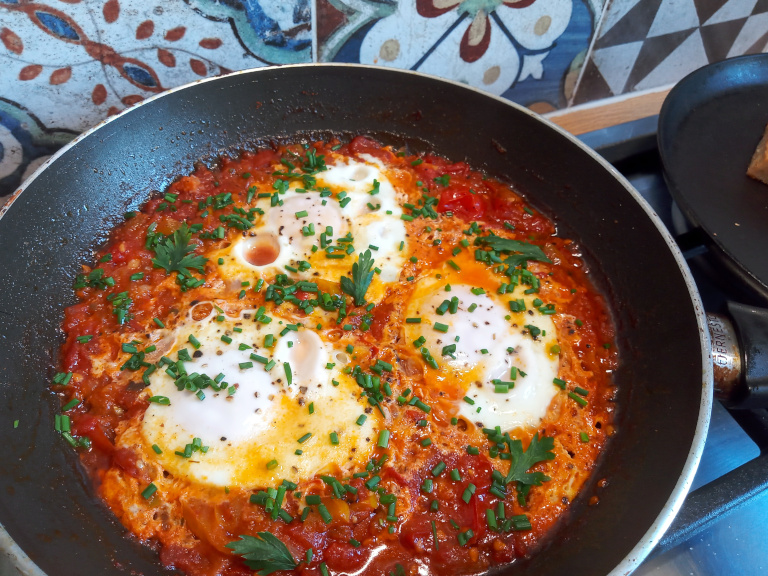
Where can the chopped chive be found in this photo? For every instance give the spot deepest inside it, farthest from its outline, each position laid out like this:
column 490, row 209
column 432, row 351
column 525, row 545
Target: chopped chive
column 413, row 320
column 469, row 400
column 69, row 405
column 288, row 373
column 440, row 327
column 304, row 438
column 384, row 439
column 226, row 339
column 577, row 398
column 334, row 438
column 361, row 419
column 584, row 437
column 272, row 464
column 149, row 491
column 464, row 537
column 373, row 482
column 158, row 322
column 324, row 514
column 439, row 468
column 490, row 517
column 421, row 406
column 521, row 522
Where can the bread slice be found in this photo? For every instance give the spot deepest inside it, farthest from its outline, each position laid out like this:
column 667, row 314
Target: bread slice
column 758, row 167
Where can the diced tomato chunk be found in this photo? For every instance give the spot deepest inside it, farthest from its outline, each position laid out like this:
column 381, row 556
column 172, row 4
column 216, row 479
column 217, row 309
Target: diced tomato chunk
column 458, row 198
column 87, row 425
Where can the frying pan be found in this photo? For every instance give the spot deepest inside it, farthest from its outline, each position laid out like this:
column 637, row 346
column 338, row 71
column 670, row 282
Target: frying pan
column 709, row 126
column 664, row 383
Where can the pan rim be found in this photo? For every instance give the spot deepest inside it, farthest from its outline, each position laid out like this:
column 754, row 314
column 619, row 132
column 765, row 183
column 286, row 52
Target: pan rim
column 675, row 500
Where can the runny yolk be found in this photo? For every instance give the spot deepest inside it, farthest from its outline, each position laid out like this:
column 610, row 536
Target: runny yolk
column 262, row 250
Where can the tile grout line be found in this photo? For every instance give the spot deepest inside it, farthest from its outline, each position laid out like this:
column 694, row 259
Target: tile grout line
column 598, row 28
column 313, row 19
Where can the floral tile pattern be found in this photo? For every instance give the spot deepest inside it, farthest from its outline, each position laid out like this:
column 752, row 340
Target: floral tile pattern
column 65, row 66
column 491, row 44
column 645, row 44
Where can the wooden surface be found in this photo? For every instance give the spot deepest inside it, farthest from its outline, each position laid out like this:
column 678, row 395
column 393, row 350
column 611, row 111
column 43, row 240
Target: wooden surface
column 595, row 116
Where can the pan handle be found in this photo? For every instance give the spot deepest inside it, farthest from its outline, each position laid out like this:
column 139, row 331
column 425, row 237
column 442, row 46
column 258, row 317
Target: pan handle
column 740, row 355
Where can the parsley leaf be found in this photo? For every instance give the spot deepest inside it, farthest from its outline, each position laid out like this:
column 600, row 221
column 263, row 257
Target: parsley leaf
column 264, row 553
column 362, row 274
column 522, row 460
column 524, row 250
column 173, row 253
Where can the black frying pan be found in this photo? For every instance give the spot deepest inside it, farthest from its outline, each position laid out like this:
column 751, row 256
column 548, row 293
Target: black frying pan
column 664, row 382
column 709, row 127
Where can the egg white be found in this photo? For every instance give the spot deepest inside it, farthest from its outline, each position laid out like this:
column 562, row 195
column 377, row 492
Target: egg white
column 277, row 240
column 489, row 341
column 251, row 436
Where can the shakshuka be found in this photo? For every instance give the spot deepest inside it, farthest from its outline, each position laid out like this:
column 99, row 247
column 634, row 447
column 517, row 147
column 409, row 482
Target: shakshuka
column 337, row 358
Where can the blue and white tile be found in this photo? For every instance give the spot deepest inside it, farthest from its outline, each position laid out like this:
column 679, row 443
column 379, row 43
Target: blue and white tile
column 69, row 65
column 496, row 46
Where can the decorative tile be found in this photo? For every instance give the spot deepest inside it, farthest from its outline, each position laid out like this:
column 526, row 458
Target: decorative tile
column 645, row 44
column 66, row 66
column 523, row 50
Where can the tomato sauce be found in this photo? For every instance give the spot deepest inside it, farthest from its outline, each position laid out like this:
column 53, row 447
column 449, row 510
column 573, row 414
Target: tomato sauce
column 450, row 516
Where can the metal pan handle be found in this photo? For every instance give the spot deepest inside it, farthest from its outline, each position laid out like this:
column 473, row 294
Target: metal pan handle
column 740, row 355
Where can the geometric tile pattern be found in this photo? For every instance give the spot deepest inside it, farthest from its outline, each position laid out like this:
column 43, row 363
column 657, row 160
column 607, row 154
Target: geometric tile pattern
column 644, row 44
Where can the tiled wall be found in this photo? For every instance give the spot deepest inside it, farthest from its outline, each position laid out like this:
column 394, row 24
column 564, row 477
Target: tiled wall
column 67, row 64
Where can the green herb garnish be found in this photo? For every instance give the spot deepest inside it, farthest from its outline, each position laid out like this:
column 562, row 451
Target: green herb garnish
column 362, row 274
column 539, row 450
column 173, row 253
column 524, row 251
column 264, row 553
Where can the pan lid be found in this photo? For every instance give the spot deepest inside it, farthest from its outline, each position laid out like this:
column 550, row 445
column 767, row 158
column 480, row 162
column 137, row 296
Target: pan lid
column 709, row 127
